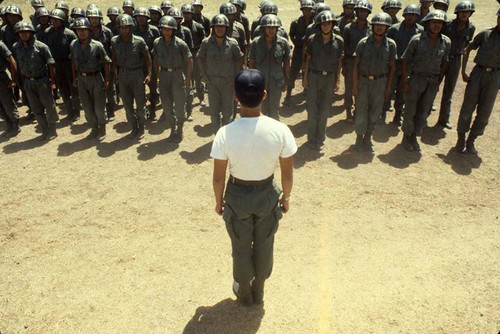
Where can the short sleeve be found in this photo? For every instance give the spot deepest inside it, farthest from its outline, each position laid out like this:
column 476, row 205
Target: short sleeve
column 4, row 50
column 478, row 40
column 186, row 53
column 360, row 48
column 47, row 55
column 410, row 49
column 289, row 146
column 219, row 145
column 237, row 54
column 393, row 51
column 447, row 51
column 103, row 54
column 202, row 52
column 144, row 46
column 252, row 51
column 309, row 45
column 340, row 42
column 287, row 55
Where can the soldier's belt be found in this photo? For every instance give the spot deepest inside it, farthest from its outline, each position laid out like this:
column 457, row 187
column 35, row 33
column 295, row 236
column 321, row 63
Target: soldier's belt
column 34, row 78
column 240, row 182
column 87, row 74
column 488, row 69
column 374, row 77
column 321, row 72
column 170, row 69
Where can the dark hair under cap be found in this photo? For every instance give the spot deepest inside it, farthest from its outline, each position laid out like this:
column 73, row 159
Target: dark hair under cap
column 249, row 86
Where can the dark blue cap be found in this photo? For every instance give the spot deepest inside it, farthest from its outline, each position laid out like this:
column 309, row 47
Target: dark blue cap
column 249, row 87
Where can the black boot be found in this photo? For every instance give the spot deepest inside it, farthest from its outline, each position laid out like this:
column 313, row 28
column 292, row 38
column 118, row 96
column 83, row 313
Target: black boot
column 15, row 129
column 51, row 132
column 460, row 146
column 258, row 291
column 152, row 113
column 173, row 134
column 101, row 133
column 286, row 101
column 140, row 129
column 367, row 143
column 243, row 292
column 110, row 113
column 8, row 127
column 407, row 145
column 133, row 133
column 93, row 133
column 179, row 136
column 358, row 146
column 397, row 118
column 76, row 115
column 471, row 149
column 414, row 142
column 348, row 114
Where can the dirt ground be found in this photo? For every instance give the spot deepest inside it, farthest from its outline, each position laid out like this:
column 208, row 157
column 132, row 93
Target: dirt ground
column 121, row 236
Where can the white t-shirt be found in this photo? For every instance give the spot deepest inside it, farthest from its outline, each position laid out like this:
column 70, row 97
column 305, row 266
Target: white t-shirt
column 253, row 146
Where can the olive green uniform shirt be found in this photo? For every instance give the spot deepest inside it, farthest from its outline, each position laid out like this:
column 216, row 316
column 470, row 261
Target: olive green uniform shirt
column 426, row 61
column 270, row 61
column 324, row 56
column 34, row 59
column 129, row 55
column 220, row 61
column 172, row 55
column 374, row 59
column 89, row 59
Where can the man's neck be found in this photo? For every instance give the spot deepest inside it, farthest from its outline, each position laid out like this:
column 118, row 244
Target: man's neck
column 250, row 112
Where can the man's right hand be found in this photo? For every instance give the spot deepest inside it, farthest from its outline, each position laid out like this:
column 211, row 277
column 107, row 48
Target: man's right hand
column 284, row 205
column 219, row 208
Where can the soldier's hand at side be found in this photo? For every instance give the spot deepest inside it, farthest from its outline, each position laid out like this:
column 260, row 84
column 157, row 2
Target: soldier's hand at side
column 187, row 84
column 106, row 85
column 284, row 205
column 205, row 79
column 219, row 208
column 74, row 83
column 407, row 86
column 147, row 79
column 283, row 89
column 52, row 85
column 465, row 77
column 305, row 82
column 12, row 84
column 355, row 90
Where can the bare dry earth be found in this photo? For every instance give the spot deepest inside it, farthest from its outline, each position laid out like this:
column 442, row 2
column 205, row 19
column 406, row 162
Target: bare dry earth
column 121, row 237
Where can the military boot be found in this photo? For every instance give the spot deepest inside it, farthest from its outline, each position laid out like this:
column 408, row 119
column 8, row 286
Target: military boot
column 471, row 149
column 414, row 142
column 8, row 127
column 397, row 118
column 243, row 292
column 258, row 291
column 134, row 131
column 15, row 129
column 286, row 101
column 460, row 146
column 173, row 134
column 152, row 113
column 140, row 129
column 358, row 146
column 101, row 133
column 179, row 135
column 407, row 145
column 51, row 132
column 348, row 114
column 367, row 143
column 76, row 115
column 111, row 114
column 93, row 133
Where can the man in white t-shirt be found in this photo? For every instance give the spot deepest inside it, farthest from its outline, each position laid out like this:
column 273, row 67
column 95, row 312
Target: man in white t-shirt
column 253, row 203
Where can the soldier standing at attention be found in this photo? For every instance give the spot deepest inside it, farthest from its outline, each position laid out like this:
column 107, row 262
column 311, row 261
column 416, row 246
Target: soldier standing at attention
column 270, row 54
column 219, row 59
column 252, row 204
column 241, row 5
column 62, row 5
column 128, row 8
column 76, row 12
column 89, row 59
column 36, row 4
column 298, row 29
column 353, row 33
column 102, row 34
column 165, row 6
column 323, row 63
column 112, row 14
column 482, row 86
column 425, row 6
column 441, row 5
column 59, row 38
column 401, row 33
column 347, row 16
column 8, row 108
column 130, row 56
column 155, row 13
column 198, row 33
column 149, row 33
column 460, row 31
column 392, row 7
column 36, row 66
column 43, row 18
column 173, row 63
column 374, row 66
column 427, row 53
column 199, row 17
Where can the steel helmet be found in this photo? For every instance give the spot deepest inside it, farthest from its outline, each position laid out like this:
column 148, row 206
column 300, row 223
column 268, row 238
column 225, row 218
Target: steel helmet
column 94, row 12
column 364, row 4
column 81, row 23
column 166, row 4
column 92, row 6
column 270, row 20
column 23, row 26
column 219, row 20
column 14, row 10
column 227, row 8
column 197, row 3
column 2, row 11
column 261, row 4
column 240, row 3
column 168, row 22
column 465, row 6
column 421, row 1
column 58, row 14
column 175, row 13
column 124, row 20
column 411, row 9
column 37, row 3
column 321, row 7
column 435, row 14
column 392, row 4
column 382, row 19
column 306, row 4
column 269, row 8
column 187, row 8
column 325, row 16
column 128, row 3
column 444, row 2
column 155, row 8
column 348, row 2
column 114, row 11
column 42, row 11
column 62, row 5
column 141, row 11
column 78, row 11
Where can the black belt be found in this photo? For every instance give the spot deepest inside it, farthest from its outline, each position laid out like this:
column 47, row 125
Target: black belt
column 33, row 78
column 88, row 74
column 170, row 69
column 374, row 77
column 488, row 69
column 321, row 72
column 239, row 182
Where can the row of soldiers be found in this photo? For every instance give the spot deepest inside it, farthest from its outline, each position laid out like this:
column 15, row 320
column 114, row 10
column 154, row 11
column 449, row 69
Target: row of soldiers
column 377, row 59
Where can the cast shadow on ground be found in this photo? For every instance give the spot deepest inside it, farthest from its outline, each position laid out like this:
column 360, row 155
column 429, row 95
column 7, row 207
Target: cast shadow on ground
column 432, row 135
column 199, row 155
column 461, row 163
column 383, row 132
column 336, row 110
column 148, row 151
column 398, row 157
column 351, row 158
column 65, row 149
column 24, row 145
column 157, row 128
column 299, row 129
column 305, row 154
column 204, row 131
column 107, row 149
column 78, row 129
column 293, row 108
column 339, row 129
column 227, row 316
column 121, row 127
